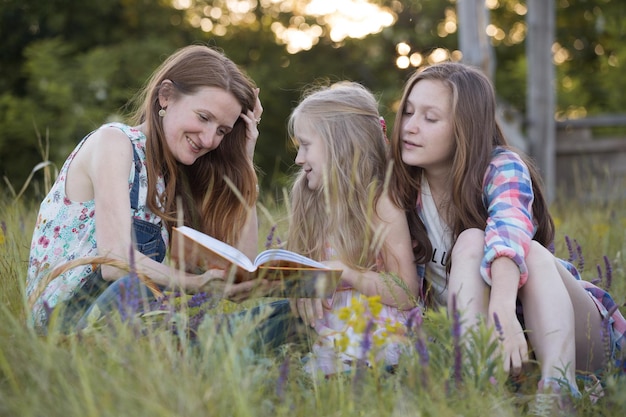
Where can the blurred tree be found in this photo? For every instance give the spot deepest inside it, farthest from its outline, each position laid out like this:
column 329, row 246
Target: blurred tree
column 69, row 65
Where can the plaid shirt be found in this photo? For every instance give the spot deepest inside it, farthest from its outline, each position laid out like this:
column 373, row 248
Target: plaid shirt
column 508, row 196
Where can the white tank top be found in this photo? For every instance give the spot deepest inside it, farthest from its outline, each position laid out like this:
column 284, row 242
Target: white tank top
column 440, row 237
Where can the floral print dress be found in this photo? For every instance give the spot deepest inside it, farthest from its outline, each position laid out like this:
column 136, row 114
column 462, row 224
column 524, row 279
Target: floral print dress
column 357, row 328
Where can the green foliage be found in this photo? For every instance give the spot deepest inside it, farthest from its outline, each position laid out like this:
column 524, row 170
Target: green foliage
column 116, row 370
column 68, row 67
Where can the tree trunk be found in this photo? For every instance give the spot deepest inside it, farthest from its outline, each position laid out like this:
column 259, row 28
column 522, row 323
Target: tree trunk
column 540, row 98
column 473, row 19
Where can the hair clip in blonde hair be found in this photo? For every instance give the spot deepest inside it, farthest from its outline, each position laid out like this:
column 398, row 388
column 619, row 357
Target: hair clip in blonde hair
column 383, row 125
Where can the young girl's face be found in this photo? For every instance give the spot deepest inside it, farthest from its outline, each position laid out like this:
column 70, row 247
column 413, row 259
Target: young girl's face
column 194, row 125
column 311, row 155
column 426, row 134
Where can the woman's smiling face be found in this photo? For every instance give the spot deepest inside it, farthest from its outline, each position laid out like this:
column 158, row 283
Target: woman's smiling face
column 196, row 124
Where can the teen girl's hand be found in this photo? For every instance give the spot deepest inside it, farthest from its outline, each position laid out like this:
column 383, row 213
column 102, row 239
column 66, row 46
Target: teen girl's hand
column 513, row 345
column 252, row 119
column 502, row 303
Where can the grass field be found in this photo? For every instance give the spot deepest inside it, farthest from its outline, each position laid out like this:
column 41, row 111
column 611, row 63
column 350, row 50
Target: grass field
column 123, row 370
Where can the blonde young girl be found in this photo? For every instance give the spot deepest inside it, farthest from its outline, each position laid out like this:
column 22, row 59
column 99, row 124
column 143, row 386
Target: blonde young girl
column 477, row 212
column 341, row 214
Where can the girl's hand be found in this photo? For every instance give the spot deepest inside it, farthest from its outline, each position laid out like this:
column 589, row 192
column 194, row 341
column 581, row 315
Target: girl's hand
column 252, row 119
column 243, row 290
column 211, row 281
column 308, row 309
column 514, row 347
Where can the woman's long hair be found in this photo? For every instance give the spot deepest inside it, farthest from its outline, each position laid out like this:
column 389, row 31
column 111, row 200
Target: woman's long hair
column 476, row 134
column 210, row 204
column 339, row 214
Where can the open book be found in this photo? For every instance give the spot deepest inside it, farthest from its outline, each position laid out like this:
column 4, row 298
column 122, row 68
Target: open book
column 292, row 274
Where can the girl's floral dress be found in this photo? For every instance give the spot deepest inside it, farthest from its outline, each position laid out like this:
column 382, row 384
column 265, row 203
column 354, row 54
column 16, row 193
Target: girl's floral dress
column 357, row 328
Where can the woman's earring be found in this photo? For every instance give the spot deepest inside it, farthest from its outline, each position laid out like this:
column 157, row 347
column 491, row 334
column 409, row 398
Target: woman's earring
column 162, row 112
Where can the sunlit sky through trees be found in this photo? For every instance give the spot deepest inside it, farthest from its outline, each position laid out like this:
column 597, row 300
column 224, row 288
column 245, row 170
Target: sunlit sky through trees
column 310, row 20
column 337, row 19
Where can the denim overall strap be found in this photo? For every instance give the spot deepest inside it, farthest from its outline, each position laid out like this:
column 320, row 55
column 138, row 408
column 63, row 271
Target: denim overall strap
column 134, row 192
column 147, row 235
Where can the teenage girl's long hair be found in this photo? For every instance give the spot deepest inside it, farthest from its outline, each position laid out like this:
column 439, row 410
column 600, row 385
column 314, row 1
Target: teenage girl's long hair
column 209, row 203
column 339, row 214
column 476, row 134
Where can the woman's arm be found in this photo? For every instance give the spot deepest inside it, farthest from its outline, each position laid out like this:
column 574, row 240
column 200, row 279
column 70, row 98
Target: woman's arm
column 105, row 163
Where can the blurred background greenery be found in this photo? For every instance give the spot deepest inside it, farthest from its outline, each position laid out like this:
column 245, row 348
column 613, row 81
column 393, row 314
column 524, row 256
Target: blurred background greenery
column 66, row 66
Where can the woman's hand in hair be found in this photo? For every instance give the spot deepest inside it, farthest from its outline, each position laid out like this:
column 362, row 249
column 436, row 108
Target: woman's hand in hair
column 252, row 119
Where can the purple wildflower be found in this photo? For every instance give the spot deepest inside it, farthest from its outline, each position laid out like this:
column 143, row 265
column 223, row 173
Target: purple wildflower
column 414, row 321
column 456, row 340
column 283, row 373
column 496, row 321
column 47, row 310
column 572, row 255
column 130, row 291
column 606, row 331
column 366, row 343
column 194, row 324
column 361, row 362
column 269, row 241
column 579, row 254
column 202, row 299
column 424, row 357
column 3, row 226
column 598, row 280
column 608, row 271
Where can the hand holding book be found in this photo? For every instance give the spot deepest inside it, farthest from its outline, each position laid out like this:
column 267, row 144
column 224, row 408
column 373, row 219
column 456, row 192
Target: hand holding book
column 289, row 274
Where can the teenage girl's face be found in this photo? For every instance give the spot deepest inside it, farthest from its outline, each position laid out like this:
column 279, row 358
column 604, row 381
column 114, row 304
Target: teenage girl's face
column 196, row 124
column 311, row 155
column 426, row 134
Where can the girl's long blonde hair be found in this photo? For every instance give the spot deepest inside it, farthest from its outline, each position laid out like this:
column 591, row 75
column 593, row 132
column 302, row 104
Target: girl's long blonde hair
column 339, row 214
column 210, row 203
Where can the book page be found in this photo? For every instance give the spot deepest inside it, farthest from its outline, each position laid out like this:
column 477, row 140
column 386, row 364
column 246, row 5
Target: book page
column 228, row 252
column 285, row 255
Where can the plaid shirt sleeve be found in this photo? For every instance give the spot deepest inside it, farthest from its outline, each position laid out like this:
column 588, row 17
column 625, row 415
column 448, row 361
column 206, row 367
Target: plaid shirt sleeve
column 508, row 197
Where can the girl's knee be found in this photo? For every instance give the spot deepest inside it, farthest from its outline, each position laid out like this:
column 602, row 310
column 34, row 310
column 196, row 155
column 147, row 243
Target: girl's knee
column 470, row 244
column 539, row 257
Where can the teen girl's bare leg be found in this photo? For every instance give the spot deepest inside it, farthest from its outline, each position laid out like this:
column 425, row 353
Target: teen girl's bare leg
column 549, row 316
column 465, row 282
column 590, row 348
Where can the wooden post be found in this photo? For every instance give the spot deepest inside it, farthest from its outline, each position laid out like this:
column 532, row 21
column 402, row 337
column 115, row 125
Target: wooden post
column 473, row 19
column 540, row 97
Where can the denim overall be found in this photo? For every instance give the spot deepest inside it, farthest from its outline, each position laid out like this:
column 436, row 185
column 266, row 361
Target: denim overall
column 105, row 294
